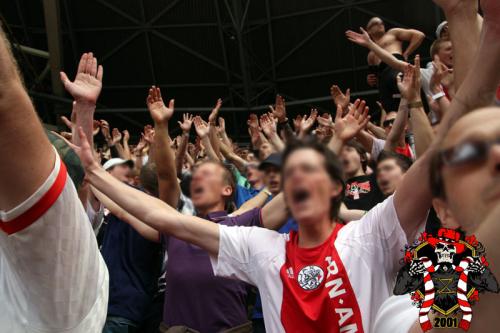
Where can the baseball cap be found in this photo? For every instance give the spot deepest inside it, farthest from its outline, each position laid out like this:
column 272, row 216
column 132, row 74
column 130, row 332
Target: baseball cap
column 117, row 161
column 440, row 28
column 272, row 160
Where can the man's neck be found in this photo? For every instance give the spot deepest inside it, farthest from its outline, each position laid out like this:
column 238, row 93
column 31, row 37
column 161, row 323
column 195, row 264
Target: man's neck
column 316, row 233
column 203, row 212
column 358, row 173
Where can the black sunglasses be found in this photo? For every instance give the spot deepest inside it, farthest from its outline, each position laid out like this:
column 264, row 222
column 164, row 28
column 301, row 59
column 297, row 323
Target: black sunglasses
column 468, row 152
column 388, row 123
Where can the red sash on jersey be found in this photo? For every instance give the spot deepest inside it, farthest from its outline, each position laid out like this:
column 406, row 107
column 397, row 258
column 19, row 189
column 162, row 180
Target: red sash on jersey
column 317, row 294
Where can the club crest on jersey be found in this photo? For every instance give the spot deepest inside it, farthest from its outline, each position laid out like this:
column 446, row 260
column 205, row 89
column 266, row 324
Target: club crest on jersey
column 310, row 277
column 444, row 274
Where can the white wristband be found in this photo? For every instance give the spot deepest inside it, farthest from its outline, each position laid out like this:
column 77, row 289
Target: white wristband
column 438, row 95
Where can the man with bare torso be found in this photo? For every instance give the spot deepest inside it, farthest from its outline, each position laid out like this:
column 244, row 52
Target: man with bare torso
column 391, row 41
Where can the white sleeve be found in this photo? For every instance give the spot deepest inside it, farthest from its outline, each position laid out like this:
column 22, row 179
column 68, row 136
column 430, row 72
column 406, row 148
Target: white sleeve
column 377, row 147
column 380, row 230
column 52, row 273
column 244, row 250
column 396, row 315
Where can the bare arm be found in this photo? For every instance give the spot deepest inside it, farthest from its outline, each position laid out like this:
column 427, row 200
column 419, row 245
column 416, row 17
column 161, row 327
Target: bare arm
column 168, row 187
column 377, row 131
column 269, row 127
column 363, row 39
column 212, row 132
column 126, row 147
column 203, row 131
column 256, row 202
column 398, row 128
column 229, row 154
column 412, row 36
column 153, row 212
column 21, row 174
column 143, row 229
column 275, row 213
column 187, row 123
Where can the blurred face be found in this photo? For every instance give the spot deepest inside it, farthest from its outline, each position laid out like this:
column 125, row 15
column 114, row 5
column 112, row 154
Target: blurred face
column 272, row 179
column 445, row 53
column 208, row 188
column 389, row 175
column 375, row 27
column 121, row 172
column 254, row 175
column 351, row 161
column 308, row 187
column 265, row 150
column 389, row 122
column 473, row 188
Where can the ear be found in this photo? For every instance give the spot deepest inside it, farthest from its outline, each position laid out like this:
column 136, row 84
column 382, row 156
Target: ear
column 336, row 189
column 444, row 213
column 227, row 191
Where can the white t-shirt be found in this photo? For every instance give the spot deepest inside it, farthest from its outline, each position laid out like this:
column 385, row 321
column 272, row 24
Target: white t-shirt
column 370, row 250
column 396, row 315
column 52, row 276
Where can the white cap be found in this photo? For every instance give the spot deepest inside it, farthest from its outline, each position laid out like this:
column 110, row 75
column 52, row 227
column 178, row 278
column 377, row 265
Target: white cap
column 440, row 28
column 114, row 162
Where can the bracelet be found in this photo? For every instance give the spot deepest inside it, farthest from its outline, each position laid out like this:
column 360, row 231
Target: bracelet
column 415, row 105
column 438, row 95
column 266, row 191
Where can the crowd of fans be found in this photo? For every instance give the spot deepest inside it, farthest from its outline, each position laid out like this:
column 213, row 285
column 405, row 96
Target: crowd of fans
column 302, row 230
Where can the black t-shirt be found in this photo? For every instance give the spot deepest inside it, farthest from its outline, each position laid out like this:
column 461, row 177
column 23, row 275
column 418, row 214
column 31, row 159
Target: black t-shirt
column 362, row 193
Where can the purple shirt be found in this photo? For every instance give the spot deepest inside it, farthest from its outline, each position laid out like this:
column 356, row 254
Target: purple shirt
column 194, row 297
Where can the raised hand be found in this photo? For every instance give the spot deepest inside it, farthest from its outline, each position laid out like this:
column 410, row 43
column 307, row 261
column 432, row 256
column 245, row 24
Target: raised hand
column 339, row 97
column 202, row 128
column 126, row 136
column 149, row 134
column 296, row 123
column 253, row 122
column 105, row 130
column 279, row 109
column 325, row 120
column 410, row 85
column 212, row 119
column 440, row 72
column 187, row 122
column 353, row 122
column 116, row 136
column 96, row 127
column 87, row 85
column 362, row 39
column 268, row 125
column 308, row 121
column 141, row 145
column 159, row 112
column 222, row 125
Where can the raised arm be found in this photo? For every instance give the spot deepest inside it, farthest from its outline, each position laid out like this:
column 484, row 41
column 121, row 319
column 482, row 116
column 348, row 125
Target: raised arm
column 398, row 129
column 269, row 127
column 363, row 39
column 27, row 155
column 168, row 187
column 143, row 229
column 203, row 131
column 153, row 212
column 412, row 36
column 212, row 133
column 187, row 123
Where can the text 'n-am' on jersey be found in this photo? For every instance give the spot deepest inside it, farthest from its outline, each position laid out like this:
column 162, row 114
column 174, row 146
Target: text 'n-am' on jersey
column 52, row 276
column 327, row 285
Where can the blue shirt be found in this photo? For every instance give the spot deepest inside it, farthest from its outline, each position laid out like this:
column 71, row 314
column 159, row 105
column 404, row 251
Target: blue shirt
column 134, row 265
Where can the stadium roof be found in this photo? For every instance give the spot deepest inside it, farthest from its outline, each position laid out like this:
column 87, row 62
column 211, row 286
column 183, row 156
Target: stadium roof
column 243, row 51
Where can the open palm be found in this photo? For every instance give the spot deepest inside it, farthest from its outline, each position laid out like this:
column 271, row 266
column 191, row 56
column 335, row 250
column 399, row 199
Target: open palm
column 88, row 81
column 362, row 39
column 159, row 112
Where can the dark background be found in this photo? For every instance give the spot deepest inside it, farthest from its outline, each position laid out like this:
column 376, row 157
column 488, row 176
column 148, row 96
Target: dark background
column 244, row 51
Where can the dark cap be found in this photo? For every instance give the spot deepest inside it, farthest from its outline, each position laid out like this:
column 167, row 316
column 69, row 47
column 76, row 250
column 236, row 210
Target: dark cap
column 274, row 159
